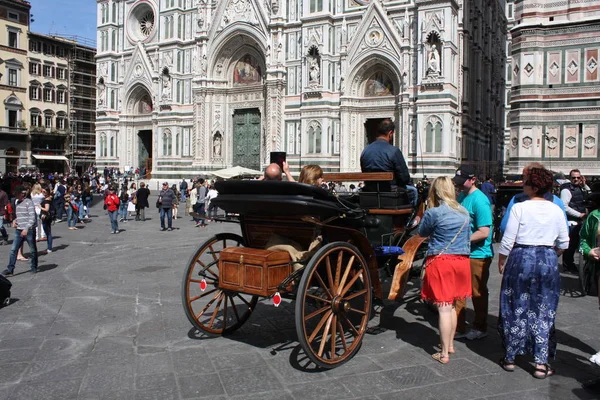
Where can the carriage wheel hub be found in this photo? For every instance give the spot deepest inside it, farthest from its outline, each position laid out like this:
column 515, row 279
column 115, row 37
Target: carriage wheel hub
column 340, row 305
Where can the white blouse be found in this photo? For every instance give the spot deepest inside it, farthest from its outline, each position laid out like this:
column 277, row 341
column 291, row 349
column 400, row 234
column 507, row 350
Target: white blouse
column 535, row 222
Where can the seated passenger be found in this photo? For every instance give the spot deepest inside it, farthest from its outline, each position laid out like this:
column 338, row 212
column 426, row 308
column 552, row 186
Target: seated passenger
column 311, row 175
column 382, row 156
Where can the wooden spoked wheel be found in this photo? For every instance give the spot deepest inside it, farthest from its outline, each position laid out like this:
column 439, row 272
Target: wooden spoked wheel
column 209, row 308
column 333, row 304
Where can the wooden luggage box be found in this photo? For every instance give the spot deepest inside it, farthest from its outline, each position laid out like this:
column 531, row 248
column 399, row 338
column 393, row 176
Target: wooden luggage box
column 253, row 271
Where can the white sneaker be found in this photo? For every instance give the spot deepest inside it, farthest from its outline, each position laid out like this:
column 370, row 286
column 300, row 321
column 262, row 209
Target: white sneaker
column 474, row 334
column 595, row 358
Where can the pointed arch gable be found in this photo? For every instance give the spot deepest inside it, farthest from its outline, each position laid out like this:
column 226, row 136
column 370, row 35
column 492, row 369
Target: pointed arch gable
column 139, row 100
column 230, row 45
column 369, row 67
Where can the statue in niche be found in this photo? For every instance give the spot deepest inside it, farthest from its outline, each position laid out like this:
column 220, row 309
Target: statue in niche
column 433, row 63
column 101, row 91
column 279, row 51
column 166, row 87
column 203, row 66
column 217, row 145
column 314, row 71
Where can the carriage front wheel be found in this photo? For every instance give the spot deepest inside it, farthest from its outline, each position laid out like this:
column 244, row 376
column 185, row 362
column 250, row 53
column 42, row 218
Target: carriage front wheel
column 333, row 304
column 209, row 308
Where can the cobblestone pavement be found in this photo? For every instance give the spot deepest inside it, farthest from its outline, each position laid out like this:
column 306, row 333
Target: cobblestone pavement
column 103, row 320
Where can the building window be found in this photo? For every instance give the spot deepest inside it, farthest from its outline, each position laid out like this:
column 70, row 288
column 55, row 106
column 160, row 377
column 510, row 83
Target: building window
column 61, row 123
column 34, row 92
column 48, row 94
column 316, row 5
column 36, row 119
column 48, row 121
column 48, row 71
column 34, row 68
column 12, row 77
column 14, row 16
column 510, row 10
column 13, row 39
column 112, row 146
column 433, row 138
column 177, row 143
column 13, row 118
column 34, row 46
column 114, row 12
column 113, row 40
column 62, row 52
column 103, row 145
column 61, row 97
column 167, row 142
column 314, row 137
column 61, row 73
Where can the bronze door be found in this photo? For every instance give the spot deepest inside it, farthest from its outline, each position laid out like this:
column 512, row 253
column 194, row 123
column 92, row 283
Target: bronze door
column 246, row 138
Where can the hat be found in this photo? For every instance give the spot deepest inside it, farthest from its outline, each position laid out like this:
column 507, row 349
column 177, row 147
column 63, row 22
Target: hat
column 463, row 174
column 166, row 183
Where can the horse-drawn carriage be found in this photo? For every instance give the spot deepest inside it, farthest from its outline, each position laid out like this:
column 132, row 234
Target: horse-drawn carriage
column 334, row 284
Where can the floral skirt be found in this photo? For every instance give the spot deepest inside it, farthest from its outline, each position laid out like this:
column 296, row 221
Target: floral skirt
column 447, row 279
column 528, row 302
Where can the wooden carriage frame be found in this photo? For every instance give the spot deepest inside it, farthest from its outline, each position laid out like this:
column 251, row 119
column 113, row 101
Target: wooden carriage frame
column 333, row 289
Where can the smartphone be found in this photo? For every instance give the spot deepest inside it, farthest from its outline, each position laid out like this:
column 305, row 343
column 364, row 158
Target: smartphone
column 278, row 157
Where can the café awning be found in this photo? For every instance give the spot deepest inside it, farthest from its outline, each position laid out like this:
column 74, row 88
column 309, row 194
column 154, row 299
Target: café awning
column 47, row 157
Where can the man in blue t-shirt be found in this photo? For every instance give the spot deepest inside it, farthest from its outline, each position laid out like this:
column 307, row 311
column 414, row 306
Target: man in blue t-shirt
column 480, row 211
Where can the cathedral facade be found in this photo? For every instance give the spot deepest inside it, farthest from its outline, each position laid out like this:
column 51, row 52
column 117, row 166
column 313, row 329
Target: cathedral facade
column 186, row 87
column 555, row 92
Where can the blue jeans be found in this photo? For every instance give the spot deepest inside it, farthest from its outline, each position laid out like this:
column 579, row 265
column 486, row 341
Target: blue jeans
column 114, row 220
column 47, row 226
column 413, row 195
column 123, row 210
column 30, row 238
column 183, row 196
column 71, row 217
column 87, row 205
column 199, row 208
column 81, row 213
column 3, row 230
column 169, row 213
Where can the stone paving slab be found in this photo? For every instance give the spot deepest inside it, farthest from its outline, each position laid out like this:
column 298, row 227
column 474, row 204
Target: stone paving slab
column 103, row 320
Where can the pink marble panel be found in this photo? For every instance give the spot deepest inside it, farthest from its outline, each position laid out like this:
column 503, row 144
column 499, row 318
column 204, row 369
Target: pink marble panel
column 572, row 66
column 591, row 65
column 554, row 67
column 571, row 141
column 590, row 141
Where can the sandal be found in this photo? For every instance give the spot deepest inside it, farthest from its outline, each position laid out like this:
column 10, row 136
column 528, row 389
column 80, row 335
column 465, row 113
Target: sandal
column 543, row 373
column 507, row 366
column 439, row 357
column 450, row 349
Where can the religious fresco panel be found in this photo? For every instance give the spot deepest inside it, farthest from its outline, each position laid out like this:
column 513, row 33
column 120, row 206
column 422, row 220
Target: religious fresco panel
column 379, row 84
column 246, row 71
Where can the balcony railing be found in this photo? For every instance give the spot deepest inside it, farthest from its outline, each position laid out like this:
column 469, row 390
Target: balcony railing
column 13, row 130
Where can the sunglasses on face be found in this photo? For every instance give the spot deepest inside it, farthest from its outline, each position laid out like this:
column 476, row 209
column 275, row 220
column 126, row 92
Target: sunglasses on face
column 575, row 178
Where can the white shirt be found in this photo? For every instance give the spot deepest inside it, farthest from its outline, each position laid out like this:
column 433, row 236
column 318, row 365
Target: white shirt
column 535, row 222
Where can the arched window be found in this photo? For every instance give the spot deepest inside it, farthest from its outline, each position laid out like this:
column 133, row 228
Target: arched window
column 112, row 146
column 177, row 143
column 429, row 138
column 113, row 40
column 36, row 117
column 114, row 12
column 167, row 142
column 103, row 145
column 314, row 137
column 438, row 138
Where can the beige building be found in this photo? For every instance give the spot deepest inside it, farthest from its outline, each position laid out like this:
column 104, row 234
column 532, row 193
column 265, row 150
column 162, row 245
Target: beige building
column 49, row 109
column 14, row 26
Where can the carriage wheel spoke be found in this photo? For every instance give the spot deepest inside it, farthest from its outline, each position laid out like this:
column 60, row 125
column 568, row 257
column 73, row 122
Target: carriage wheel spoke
column 352, row 328
column 212, row 252
column 209, row 304
column 211, row 280
column 354, row 295
column 312, row 296
column 207, row 268
column 237, row 316
column 346, row 272
column 225, row 313
column 333, row 336
column 329, row 275
column 319, row 326
column 349, row 285
column 324, row 337
column 342, row 337
column 314, row 314
column 357, row 311
column 214, row 315
column 244, row 300
column 202, row 295
column 338, row 268
column 316, row 274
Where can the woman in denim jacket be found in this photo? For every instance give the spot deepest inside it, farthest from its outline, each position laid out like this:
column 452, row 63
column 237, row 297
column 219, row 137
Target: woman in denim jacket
column 448, row 276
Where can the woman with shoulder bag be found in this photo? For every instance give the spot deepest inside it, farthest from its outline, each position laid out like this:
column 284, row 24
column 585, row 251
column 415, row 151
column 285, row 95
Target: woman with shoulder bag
column 448, row 270
column 46, row 216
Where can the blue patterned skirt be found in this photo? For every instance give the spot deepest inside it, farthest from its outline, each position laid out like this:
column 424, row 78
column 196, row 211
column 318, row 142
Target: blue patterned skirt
column 528, row 303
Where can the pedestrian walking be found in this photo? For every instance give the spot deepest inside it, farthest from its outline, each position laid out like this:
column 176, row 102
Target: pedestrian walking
column 25, row 224
column 47, row 214
column 200, row 204
column 480, row 213
column 4, row 202
column 183, row 187
column 141, row 197
column 211, row 207
column 535, row 235
column 123, row 199
column 573, row 195
column 165, row 206
column 447, row 267
column 111, row 205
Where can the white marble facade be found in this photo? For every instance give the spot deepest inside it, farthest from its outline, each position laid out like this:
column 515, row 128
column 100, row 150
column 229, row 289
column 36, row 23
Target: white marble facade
column 190, row 86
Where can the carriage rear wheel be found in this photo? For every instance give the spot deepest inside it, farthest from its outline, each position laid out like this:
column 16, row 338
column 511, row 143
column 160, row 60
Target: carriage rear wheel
column 333, row 304
column 209, row 308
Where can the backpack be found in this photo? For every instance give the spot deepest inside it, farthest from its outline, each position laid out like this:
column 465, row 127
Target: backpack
column 9, row 213
column 52, row 211
column 124, row 198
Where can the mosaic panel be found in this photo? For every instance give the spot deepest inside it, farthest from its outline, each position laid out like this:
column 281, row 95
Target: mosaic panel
column 590, row 141
column 591, row 65
column 572, row 66
column 552, row 141
column 570, row 141
column 554, row 67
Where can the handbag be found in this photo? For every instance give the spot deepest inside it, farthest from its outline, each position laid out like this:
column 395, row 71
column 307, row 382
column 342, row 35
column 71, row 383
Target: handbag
column 134, row 201
column 157, row 204
column 425, row 265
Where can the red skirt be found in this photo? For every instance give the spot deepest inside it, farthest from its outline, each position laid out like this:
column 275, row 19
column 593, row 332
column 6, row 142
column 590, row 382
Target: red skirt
column 447, row 279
